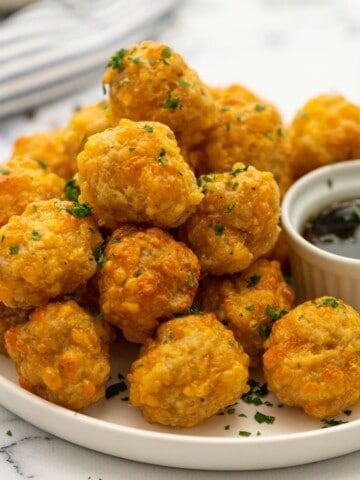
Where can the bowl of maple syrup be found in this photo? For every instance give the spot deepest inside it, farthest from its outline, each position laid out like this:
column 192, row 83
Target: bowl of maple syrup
column 320, row 215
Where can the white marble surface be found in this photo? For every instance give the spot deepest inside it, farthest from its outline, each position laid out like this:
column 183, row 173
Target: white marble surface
column 287, row 51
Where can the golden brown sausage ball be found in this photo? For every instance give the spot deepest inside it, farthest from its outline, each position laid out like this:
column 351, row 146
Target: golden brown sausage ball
column 62, row 354
column 325, row 130
column 312, row 357
column 22, row 181
column 237, row 220
column 249, row 130
column 147, row 276
column 192, row 369
column 45, row 252
column 8, row 318
column 48, row 149
column 150, row 81
column 248, row 303
column 88, row 120
column 136, row 173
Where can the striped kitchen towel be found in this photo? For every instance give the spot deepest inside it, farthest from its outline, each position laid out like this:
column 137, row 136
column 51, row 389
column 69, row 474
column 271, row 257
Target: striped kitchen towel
column 52, row 48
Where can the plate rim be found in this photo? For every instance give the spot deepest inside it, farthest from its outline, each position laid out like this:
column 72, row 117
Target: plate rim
column 172, row 449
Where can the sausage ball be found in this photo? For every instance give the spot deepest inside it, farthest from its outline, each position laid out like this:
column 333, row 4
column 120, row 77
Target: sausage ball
column 62, row 354
column 248, row 303
column 146, row 277
column 150, row 81
column 88, row 120
column 48, row 149
column 189, row 372
column 22, row 181
column 136, row 173
column 45, row 252
column 312, row 357
column 325, row 130
column 8, row 318
column 249, row 130
column 237, row 220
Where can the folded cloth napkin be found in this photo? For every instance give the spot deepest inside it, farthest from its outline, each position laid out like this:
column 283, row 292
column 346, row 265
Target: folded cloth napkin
column 52, row 48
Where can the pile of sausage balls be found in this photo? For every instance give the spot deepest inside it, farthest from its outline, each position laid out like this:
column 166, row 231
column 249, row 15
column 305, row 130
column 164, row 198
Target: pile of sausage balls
column 153, row 215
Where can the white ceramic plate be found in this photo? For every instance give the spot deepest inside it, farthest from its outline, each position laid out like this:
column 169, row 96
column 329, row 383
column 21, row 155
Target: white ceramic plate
column 113, row 427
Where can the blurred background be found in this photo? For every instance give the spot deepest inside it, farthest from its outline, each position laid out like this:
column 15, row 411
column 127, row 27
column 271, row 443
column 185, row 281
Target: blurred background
column 285, row 50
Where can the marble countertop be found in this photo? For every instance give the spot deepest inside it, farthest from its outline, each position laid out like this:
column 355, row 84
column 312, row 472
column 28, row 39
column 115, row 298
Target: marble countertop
column 286, row 51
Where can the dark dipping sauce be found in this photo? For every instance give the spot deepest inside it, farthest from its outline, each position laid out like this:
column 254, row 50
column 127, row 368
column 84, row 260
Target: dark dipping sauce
column 336, row 228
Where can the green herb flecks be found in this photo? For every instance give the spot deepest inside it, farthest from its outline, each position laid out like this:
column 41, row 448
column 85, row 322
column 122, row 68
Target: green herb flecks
column 256, row 393
column 253, row 280
column 100, row 257
column 161, row 158
column 14, row 249
column 262, row 418
column 71, row 190
column 236, row 171
column 331, row 422
column 219, row 229
column 172, row 102
column 148, row 128
column 35, row 235
column 79, row 209
column 259, row 108
column 116, row 60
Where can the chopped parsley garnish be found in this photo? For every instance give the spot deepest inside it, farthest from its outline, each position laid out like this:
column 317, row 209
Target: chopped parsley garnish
column 244, row 433
column 194, row 310
column 230, row 207
column 4, row 171
column 250, row 308
column 14, row 249
column 9, row 433
column 280, row 132
column 190, row 281
column 161, row 158
column 225, row 108
column 116, row 60
column 256, row 393
column 265, row 332
column 99, row 256
column 42, row 164
column 79, row 210
column 71, row 190
column 166, row 52
column 259, row 108
column 148, row 128
column 116, row 239
column 172, row 102
column 35, row 235
column 262, row 418
column 331, row 301
column 329, row 182
column 183, row 83
column 227, row 427
column 135, row 60
column 219, row 229
column 270, row 135
column 275, row 314
column 253, row 280
column 235, row 171
column 331, row 422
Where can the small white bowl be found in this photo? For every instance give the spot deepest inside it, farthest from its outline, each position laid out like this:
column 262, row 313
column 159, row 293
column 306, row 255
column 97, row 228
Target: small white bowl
column 317, row 272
